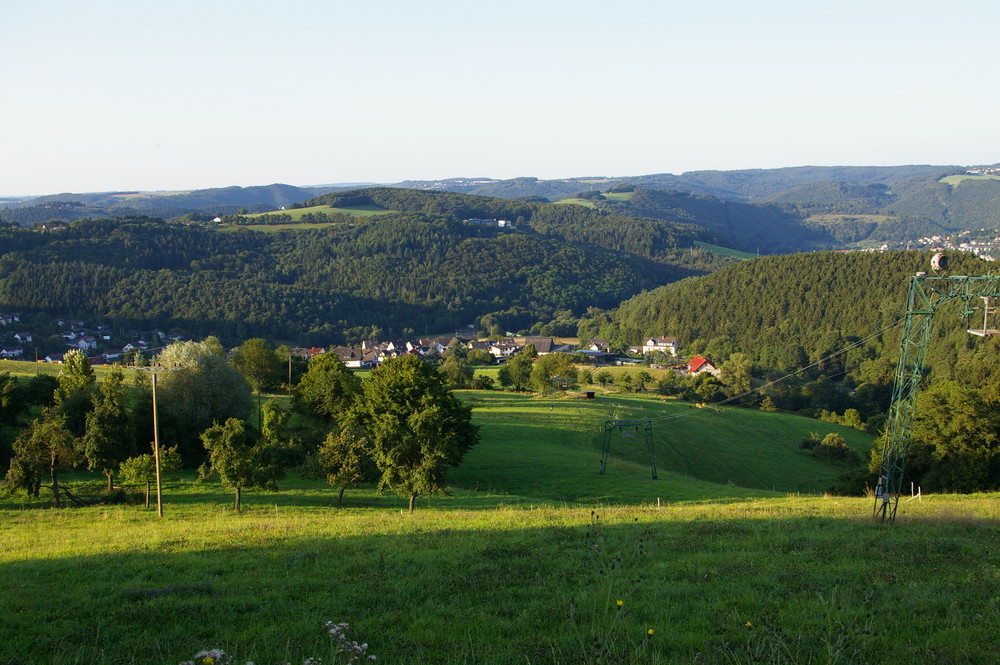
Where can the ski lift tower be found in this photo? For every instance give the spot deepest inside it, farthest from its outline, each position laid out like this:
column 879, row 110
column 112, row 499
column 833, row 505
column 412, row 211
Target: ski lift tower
column 629, row 428
column 927, row 293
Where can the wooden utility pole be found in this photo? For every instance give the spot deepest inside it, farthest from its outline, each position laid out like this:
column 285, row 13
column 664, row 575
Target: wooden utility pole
column 156, row 453
column 153, row 370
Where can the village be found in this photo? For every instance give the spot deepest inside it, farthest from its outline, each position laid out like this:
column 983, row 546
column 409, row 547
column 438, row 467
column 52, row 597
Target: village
column 102, row 347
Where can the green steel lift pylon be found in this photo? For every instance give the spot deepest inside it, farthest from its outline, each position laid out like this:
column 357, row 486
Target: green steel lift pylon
column 629, row 428
column 927, row 293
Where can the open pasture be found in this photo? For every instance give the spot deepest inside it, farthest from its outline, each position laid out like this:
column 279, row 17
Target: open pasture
column 525, row 561
column 354, row 211
column 955, row 180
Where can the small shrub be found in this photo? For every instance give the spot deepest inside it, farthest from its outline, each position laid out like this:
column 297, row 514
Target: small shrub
column 834, row 448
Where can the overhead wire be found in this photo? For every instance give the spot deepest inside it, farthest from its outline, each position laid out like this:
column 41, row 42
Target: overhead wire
column 723, row 402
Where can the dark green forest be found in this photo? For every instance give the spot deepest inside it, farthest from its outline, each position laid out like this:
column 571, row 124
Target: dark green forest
column 786, row 311
column 415, row 271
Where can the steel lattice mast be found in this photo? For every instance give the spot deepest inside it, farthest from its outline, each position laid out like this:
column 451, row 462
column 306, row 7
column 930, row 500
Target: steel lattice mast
column 927, row 293
column 628, row 428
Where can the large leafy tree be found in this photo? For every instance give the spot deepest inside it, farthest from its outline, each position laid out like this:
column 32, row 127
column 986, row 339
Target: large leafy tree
column 47, row 446
column 551, row 366
column 109, row 437
column 203, row 390
column 416, row 425
column 956, row 440
column 456, row 370
column 257, row 362
column 516, row 373
column 75, row 390
column 13, row 401
column 736, row 374
column 238, row 461
column 327, row 389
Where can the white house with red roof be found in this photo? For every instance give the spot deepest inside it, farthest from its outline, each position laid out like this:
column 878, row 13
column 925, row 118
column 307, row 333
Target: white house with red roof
column 701, row 365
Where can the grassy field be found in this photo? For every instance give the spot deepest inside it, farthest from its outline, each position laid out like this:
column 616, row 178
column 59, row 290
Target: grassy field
column 355, row 211
column 358, row 212
column 532, row 557
column 955, row 180
column 724, row 251
column 587, row 203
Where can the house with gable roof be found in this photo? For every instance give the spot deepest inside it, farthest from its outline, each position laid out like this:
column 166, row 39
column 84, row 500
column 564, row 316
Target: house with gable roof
column 701, row 365
column 668, row 346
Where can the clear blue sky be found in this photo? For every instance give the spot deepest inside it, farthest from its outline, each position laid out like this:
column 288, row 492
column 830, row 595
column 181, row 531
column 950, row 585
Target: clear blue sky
column 103, row 95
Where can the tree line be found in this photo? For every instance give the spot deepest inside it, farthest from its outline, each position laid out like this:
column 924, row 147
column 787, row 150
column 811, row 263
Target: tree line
column 402, row 427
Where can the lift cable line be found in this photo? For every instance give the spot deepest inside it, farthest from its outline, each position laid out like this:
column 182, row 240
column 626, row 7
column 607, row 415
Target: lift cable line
column 727, row 400
column 629, row 427
column 925, row 296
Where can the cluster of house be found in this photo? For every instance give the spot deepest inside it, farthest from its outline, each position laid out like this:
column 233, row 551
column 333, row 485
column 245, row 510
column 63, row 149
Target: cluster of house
column 372, row 353
column 77, row 336
column 366, row 354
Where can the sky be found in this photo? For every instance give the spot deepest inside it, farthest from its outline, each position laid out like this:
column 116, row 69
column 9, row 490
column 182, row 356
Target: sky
column 139, row 95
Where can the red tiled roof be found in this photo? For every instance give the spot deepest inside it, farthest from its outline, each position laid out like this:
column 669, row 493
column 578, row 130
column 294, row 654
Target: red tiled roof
column 697, row 363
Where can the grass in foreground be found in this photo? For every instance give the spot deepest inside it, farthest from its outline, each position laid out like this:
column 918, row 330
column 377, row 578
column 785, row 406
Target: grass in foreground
column 783, row 580
column 525, row 562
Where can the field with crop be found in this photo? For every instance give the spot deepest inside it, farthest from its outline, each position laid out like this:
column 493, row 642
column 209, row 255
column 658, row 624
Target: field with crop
column 532, row 557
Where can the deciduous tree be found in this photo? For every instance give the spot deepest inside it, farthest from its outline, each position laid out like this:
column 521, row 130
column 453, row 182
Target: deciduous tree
column 237, row 461
column 549, row 366
column 108, row 438
column 203, row 391
column 344, row 458
column 956, row 440
column 47, row 446
column 142, row 468
column 76, row 387
column 417, row 427
column 327, row 389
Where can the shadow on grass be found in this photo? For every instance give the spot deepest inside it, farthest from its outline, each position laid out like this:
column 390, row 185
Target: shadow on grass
column 508, row 586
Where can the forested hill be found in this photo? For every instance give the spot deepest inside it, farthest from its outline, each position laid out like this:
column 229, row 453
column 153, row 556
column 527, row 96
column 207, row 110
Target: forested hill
column 403, row 273
column 205, row 203
column 651, row 238
column 785, row 312
column 740, row 185
column 754, row 228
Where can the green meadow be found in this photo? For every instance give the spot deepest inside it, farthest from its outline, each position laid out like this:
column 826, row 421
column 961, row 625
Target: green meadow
column 955, row 180
column 724, row 251
column 296, row 214
column 733, row 555
column 587, row 203
column 354, row 211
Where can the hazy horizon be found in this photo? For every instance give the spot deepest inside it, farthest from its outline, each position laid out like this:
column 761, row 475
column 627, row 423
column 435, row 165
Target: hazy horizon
column 109, row 96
